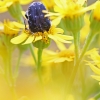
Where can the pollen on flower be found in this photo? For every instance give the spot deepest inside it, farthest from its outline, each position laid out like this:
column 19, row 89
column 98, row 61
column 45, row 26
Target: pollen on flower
column 73, row 8
column 51, row 30
column 45, row 37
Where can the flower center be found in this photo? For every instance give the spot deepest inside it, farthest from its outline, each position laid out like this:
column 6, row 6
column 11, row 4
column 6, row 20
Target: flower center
column 66, row 53
column 72, row 8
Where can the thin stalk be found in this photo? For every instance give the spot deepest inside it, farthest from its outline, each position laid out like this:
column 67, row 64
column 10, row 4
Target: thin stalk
column 86, row 46
column 17, row 66
column 96, row 97
column 32, row 52
column 76, row 44
column 10, row 67
column 6, row 71
column 82, row 82
column 10, row 76
column 14, row 95
column 39, row 72
column 39, row 63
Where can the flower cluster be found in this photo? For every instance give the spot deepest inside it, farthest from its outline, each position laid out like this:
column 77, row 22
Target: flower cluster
column 46, row 50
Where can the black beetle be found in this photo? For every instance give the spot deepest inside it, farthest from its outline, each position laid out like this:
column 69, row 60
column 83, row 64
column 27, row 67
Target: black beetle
column 36, row 20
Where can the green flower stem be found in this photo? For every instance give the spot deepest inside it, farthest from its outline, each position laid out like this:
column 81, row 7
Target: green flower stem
column 96, row 97
column 76, row 44
column 39, row 72
column 14, row 95
column 32, row 52
column 6, row 71
column 86, row 46
column 39, row 63
column 17, row 66
column 15, row 11
column 1, row 71
column 82, row 82
column 9, row 75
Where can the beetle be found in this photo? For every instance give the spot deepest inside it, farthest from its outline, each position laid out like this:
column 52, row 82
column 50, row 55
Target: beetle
column 36, row 18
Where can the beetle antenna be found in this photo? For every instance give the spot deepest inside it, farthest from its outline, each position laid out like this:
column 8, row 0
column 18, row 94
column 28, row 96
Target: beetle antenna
column 25, row 24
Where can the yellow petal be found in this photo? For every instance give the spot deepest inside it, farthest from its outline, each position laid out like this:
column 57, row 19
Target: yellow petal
column 69, row 59
column 59, row 60
column 62, row 59
column 58, row 30
column 19, row 39
column 96, row 77
column 8, row 4
column 58, row 43
column 61, row 46
column 19, row 25
column 2, row 3
column 3, row 9
column 94, row 68
column 38, row 38
column 85, row 9
column 61, row 40
column 58, row 3
column 52, row 37
column 11, row 28
column 81, row 2
column 66, row 37
column 29, row 40
column 92, row 51
column 49, row 52
column 48, row 14
column 56, row 21
column 51, row 60
column 56, row 39
column 59, row 10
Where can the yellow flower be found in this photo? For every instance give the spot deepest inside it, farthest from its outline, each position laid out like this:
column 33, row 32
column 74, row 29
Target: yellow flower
column 9, row 28
column 95, row 64
column 69, row 8
column 60, row 62
column 28, row 37
column 4, row 4
column 48, row 3
column 60, row 56
column 7, row 31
